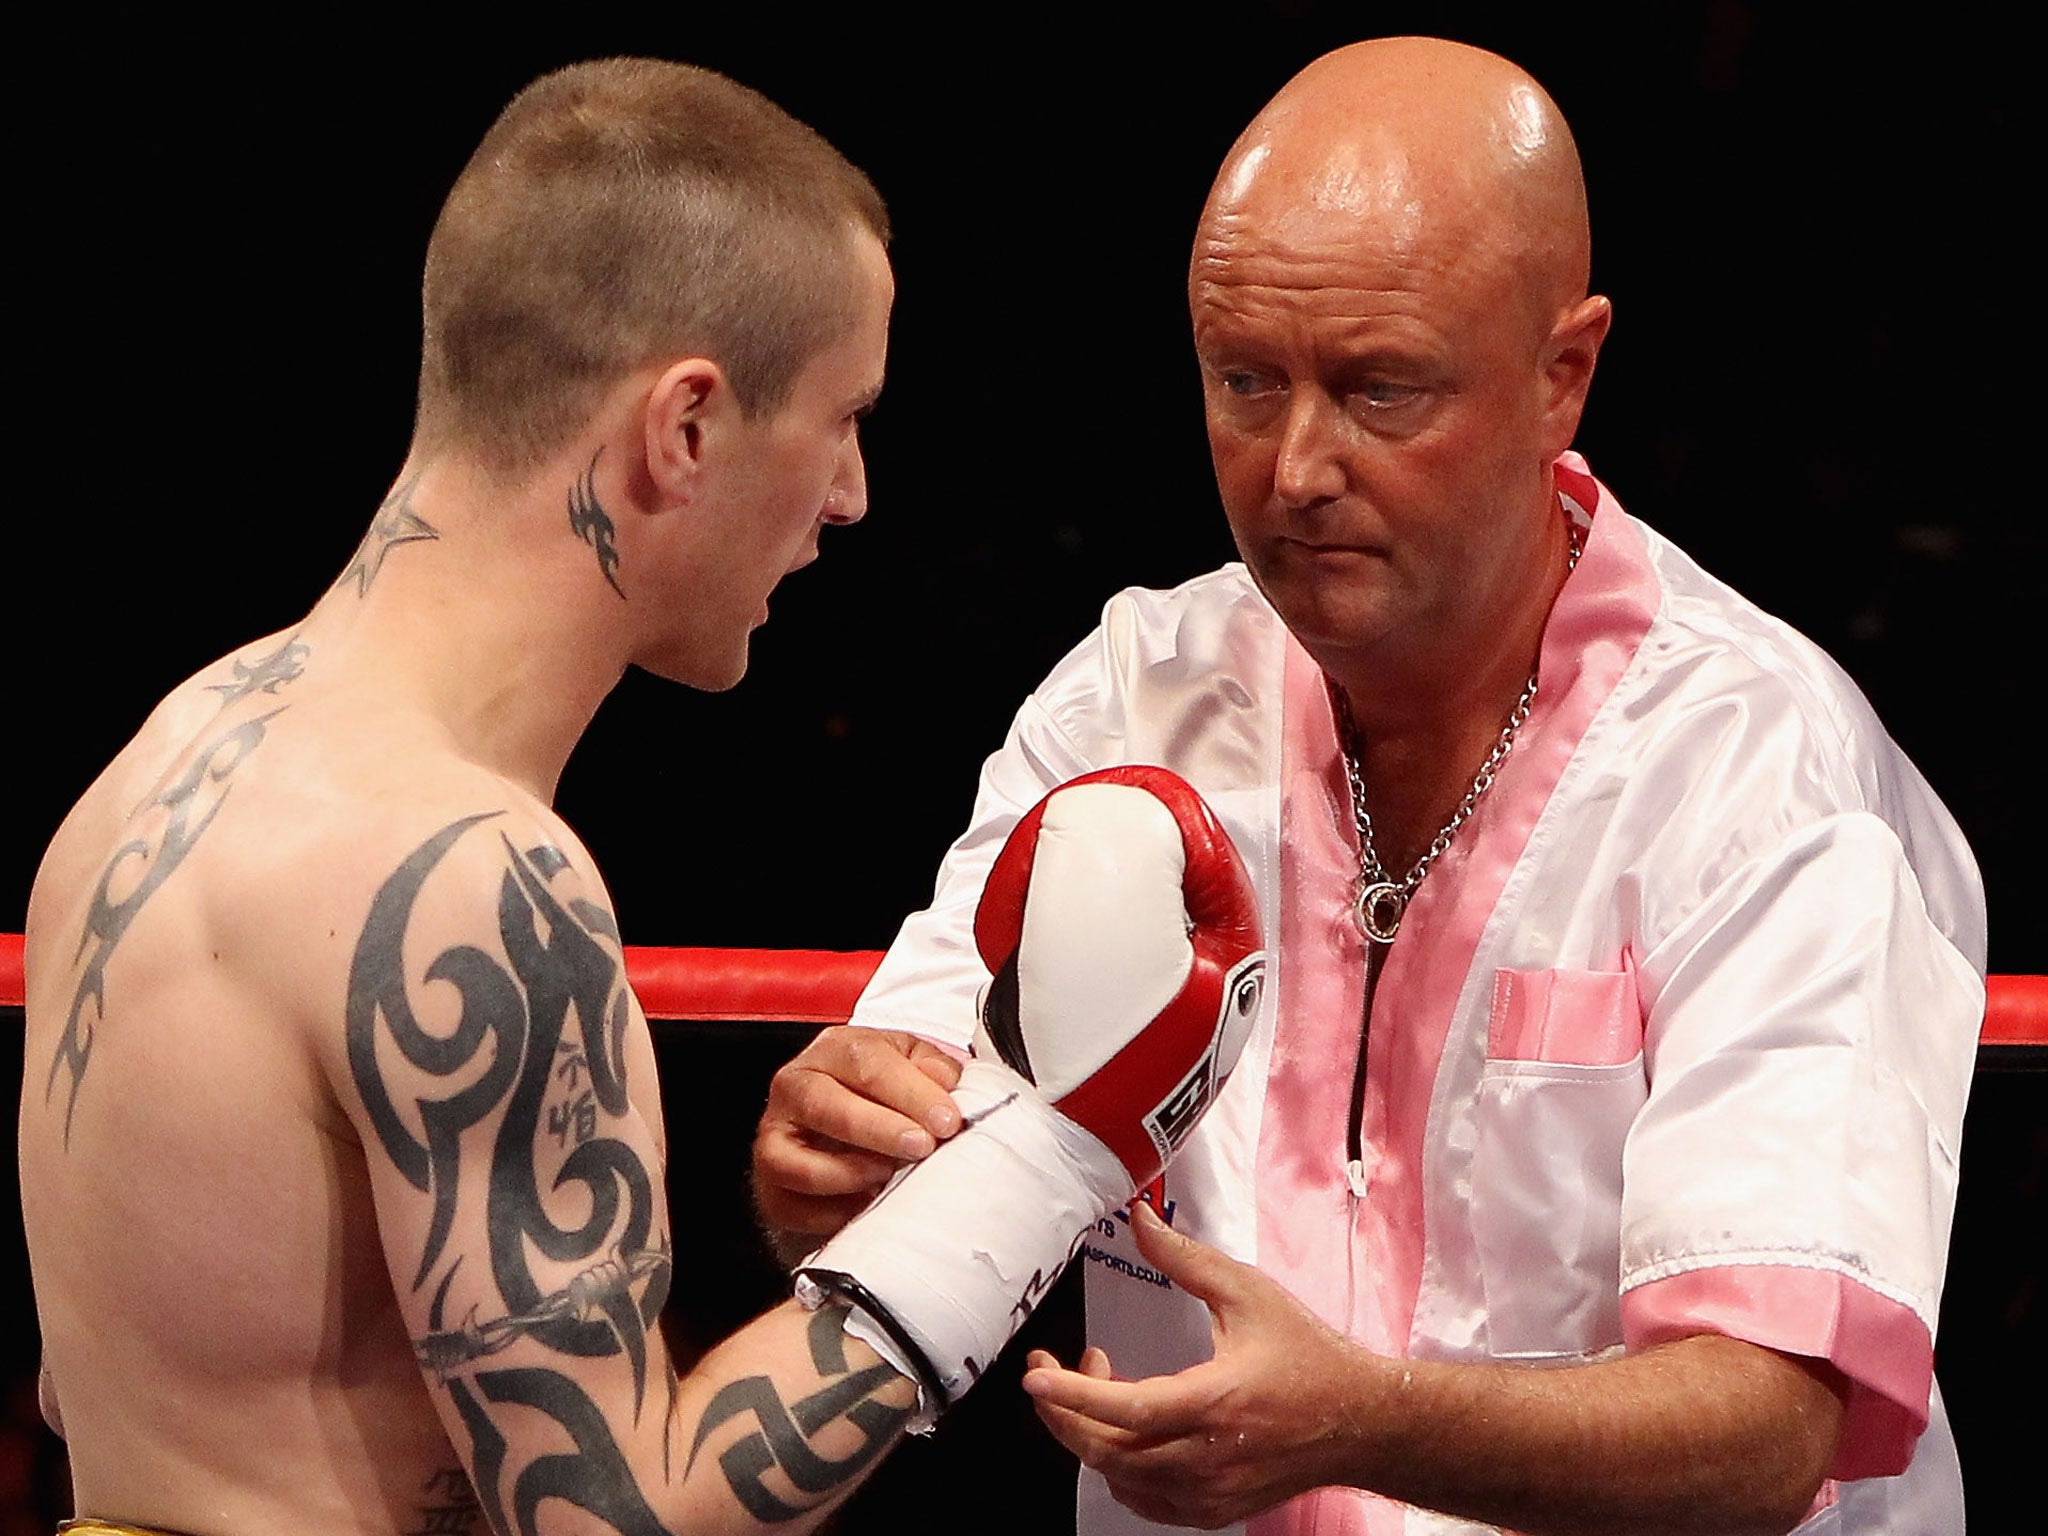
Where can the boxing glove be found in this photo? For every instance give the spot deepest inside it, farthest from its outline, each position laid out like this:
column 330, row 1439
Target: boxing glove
column 1123, row 936
column 1122, row 933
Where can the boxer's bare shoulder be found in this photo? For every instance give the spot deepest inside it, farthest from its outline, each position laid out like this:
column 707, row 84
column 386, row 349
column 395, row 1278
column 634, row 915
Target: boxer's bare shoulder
column 281, row 917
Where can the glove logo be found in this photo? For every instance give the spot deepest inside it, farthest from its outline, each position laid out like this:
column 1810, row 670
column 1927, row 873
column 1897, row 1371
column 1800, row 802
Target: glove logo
column 1243, row 989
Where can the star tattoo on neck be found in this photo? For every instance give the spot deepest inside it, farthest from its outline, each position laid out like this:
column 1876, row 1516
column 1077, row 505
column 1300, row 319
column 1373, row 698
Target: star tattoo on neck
column 395, row 523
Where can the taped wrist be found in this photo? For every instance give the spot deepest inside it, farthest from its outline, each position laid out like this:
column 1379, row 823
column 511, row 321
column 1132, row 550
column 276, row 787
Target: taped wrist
column 958, row 1250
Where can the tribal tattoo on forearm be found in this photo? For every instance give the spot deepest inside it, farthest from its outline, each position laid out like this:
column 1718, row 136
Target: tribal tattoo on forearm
column 547, row 1022
column 783, row 1431
column 162, row 831
column 396, row 523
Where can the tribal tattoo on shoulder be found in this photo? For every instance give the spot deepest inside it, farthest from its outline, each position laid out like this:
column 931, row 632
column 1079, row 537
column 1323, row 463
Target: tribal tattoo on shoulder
column 538, row 1042
column 589, row 521
column 266, row 674
column 396, row 523
column 161, row 832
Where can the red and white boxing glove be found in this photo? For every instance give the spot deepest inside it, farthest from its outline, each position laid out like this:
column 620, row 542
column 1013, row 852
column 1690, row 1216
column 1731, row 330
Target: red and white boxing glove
column 1123, row 935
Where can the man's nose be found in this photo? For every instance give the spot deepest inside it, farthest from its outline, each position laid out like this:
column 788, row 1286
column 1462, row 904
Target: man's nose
column 1308, row 467
column 847, row 501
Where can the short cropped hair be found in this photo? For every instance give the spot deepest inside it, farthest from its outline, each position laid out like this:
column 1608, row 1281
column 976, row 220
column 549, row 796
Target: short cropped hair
column 622, row 211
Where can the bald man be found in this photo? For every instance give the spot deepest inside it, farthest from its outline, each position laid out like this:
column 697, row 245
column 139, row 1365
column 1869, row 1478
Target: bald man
column 1592, row 1163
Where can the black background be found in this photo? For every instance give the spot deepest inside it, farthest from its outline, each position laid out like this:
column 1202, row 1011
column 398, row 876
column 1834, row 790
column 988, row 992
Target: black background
column 1815, row 384
column 1800, row 390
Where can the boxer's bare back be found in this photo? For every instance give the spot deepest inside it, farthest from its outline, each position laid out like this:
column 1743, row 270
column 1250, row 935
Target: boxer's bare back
column 225, row 943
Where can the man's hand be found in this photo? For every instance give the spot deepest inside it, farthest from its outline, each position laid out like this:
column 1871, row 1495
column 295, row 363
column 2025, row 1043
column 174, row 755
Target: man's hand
column 1248, row 1429
column 1705, row 1434
column 843, row 1115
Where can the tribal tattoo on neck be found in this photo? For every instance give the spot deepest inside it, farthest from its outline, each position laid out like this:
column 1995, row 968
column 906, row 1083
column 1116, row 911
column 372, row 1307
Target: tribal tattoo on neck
column 160, row 833
column 396, row 523
column 589, row 521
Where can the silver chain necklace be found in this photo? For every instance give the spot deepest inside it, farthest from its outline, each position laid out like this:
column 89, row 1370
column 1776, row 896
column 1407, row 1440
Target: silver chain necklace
column 1382, row 901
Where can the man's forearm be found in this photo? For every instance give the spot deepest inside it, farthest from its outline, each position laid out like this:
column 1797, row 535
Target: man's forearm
column 1705, row 1434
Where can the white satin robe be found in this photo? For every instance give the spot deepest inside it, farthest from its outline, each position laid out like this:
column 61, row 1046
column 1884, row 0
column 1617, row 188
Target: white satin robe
column 1675, row 1038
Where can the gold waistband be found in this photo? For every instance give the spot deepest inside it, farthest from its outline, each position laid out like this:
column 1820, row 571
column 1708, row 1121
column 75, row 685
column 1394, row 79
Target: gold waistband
column 86, row 1526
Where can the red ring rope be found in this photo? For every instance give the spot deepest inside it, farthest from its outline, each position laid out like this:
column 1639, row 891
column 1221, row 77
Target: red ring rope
column 819, row 986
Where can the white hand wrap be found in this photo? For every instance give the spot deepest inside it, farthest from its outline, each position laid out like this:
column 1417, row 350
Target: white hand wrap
column 962, row 1246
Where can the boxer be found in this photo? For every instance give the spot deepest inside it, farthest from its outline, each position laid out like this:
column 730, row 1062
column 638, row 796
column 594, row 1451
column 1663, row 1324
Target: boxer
column 342, row 1160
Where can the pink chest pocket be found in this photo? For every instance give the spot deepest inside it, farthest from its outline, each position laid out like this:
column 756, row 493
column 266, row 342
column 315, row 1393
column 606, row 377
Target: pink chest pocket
column 1568, row 1018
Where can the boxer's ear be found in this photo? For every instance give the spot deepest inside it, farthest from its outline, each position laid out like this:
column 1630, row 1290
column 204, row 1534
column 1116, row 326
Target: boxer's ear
column 690, row 402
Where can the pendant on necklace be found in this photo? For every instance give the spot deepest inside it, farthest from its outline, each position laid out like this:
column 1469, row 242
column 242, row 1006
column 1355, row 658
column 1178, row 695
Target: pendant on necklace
column 1379, row 909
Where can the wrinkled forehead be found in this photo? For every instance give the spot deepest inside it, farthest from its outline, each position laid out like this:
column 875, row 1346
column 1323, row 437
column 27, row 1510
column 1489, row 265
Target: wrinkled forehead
column 1426, row 191
column 1291, row 191
column 1365, row 198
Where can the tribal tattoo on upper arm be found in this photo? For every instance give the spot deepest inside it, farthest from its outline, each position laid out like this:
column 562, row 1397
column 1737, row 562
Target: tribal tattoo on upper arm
column 162, row 831
column 589, row 521
column 538, row 1043
column 396, row 523
column 545, row 1022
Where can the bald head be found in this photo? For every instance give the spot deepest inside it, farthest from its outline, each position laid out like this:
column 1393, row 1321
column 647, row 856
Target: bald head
column 1442, row 153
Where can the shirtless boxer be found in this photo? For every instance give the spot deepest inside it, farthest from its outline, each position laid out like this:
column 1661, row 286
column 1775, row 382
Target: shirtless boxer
column 341, row 1151
column 1627, row 976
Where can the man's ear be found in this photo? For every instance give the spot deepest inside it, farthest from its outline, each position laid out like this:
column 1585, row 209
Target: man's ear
column 1568, row 358
column 690, row 399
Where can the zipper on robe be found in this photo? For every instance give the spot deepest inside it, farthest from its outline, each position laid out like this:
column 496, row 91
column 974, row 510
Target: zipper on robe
column 1354, row 1137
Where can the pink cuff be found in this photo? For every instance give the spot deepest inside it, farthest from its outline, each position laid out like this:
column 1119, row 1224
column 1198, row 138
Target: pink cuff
column 1881, row 1346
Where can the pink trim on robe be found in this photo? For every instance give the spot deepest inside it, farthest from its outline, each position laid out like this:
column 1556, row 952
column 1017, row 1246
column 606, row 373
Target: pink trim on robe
column 1308, row 1228
column 1885, row 1351
column 1357, row 1264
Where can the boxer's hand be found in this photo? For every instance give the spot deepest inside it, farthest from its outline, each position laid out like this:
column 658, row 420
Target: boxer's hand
column 1263, row 1420
column 1122, row 934
column 843, row 1115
